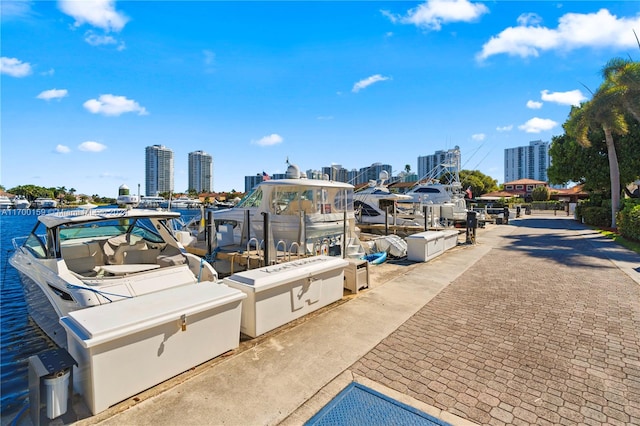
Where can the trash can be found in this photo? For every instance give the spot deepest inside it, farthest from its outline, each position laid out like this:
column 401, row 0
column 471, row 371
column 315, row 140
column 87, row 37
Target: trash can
column 56, row 388
column 51, row 379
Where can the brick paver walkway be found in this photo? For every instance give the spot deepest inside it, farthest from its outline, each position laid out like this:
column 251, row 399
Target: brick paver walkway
column 541, row 330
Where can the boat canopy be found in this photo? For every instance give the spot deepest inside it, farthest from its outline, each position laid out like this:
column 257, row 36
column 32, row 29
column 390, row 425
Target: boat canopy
column 77, row 216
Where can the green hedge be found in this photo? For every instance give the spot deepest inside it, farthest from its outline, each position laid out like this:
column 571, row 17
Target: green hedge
column 628, row 219
column 595, row 216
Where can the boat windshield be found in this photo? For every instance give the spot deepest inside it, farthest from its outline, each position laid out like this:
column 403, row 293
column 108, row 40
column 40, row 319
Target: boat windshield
column 142, row 227
column 253, row 199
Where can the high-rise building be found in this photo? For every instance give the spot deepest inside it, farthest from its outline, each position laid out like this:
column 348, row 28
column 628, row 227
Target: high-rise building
column 335, row 172
column 158, row 170
column 440, row 160
column 527, row 162
column 373, row 172
column 251, row 181
column 200, row 172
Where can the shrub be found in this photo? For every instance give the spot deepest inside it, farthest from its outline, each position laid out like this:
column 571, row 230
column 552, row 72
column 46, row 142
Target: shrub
column 596, row 216
column 628, row 219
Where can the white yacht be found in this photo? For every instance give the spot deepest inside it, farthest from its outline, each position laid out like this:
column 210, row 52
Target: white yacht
column 20, row 202
column 184, row 202
column 44, row 203
column 5, row 203
column 150, row 202
column 83, row 258
column 442, row 188
column 309, row 216
column 373, row 202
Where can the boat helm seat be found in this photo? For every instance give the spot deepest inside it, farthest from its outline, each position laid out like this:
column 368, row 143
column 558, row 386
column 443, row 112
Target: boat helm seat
column 120, row 252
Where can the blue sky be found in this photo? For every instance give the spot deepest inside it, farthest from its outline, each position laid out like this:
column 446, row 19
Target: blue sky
column 87, row 85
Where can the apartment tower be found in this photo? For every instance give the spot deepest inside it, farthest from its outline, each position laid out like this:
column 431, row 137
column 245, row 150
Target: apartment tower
column 527, row 162
column 158, row 170
column 200, row 172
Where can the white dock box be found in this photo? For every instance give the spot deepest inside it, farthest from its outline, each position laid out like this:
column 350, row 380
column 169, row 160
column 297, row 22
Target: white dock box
column 280, row 293
column 125, row 347
column 424, row 246
column 450, row 238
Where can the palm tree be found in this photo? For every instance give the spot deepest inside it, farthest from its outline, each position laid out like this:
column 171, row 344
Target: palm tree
column 604, row 110
column 624, row 78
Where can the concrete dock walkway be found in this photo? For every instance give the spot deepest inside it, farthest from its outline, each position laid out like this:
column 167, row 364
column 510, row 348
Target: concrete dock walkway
column 538, row 323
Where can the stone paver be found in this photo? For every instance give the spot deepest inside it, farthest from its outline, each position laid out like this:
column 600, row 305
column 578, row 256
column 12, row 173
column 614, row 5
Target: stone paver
column 542, row 330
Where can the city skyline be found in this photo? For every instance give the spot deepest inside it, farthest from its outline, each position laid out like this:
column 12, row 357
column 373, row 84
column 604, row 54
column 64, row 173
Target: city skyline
column 319, row 83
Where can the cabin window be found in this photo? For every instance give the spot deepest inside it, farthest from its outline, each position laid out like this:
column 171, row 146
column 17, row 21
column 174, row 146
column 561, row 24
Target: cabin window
column 529, row 187
column 427, row 190
column 365, row 209
column 519, row 186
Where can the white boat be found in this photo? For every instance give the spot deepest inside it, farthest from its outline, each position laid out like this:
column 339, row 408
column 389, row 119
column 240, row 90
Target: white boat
column 5, row 203
column 441, row 188
column 305, row 216
column 85, row 258
column 20, row 202
column 372, row 202
column 150, row 202
column 44, row 203
column 184, row 202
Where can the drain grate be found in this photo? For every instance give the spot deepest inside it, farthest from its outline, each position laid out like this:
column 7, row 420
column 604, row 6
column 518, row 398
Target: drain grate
column 359, row 405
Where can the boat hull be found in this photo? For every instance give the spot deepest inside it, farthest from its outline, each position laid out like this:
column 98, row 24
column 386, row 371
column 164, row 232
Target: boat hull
column 40, row 305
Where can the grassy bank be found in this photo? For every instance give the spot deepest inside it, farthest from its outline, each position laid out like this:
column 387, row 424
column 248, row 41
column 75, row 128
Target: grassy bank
column 630, row 244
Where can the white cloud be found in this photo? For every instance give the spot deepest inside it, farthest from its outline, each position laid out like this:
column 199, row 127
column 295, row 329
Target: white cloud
column 113, row 105
column 209, row 57
column 529, row 19
column 14, row 67
column 433, row 13
column 574, row 31
column 98, row 13
column 273, row 139
column 537, row 125
column 62, row 149
column 53, row 94
column 478, row 137
column 15, row 9
column 534, row 104
column 504, row 128
column 91, row 146
column 368, row 82
column 99, row 40
column 572, row 97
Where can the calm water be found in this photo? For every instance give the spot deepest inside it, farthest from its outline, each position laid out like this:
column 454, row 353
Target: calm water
column 20, row 338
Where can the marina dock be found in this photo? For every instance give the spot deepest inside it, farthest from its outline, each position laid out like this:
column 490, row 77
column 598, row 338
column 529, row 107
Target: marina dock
column 537, row 323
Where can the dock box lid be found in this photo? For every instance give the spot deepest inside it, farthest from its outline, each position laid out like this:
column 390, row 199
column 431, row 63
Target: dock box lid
column 104, row 323
column 282, row 273
column 427, row 235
